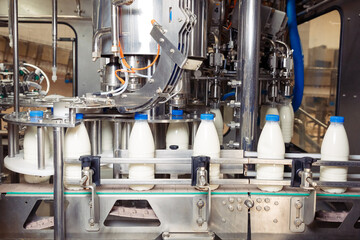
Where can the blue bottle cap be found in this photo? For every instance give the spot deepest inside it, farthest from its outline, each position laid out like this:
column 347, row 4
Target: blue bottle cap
column 336, row 119
column 141, row 116
column 79, row 116
column 36, row 114
column 272, row 118
column 177, row 112
column 207, row 116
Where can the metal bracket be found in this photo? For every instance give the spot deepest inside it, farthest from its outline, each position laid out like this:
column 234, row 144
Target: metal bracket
column 234, row 83
column 172, row 51
column 297, row 214
column 233, row 145
column 93, row 223
column 234, row 104
column 233, row 125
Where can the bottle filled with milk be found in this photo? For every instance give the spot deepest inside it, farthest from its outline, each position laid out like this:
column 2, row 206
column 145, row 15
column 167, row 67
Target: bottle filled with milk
column 141, row 145
column 177, row 135
column 219, row 123
column 77, row 143
column 286, row 120
column 270, row 146
column 30, row 148
column 207, row 143
column 335, row 147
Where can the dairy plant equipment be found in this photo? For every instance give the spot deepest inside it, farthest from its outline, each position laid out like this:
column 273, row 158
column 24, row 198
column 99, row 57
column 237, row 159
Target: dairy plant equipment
column 158, row 60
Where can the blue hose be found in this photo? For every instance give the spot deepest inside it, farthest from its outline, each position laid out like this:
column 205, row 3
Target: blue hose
column 297, row 55
column 227, row 95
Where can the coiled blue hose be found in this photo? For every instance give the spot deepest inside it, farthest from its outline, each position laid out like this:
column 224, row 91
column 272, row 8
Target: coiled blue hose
column 297, row 54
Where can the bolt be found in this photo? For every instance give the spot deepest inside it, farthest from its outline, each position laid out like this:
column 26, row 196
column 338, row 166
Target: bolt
column 298, row 204
column 266, row 208
column 200, row 221
column 348, row 19
column 239, row 208
column 267, row 200
column 224, row 202
column 166, row 235
column 239, row 200
column 231, row 199
column 172, row 50
column 200, row 203
column 298, row 222
column 258, row 200
column 275, row 220
column 231, row 208
column 91, row 220
column 151, row 80
column 258, row 208
column 276, row 203
column 161, row 40
column 249, row 203
column 223, row 220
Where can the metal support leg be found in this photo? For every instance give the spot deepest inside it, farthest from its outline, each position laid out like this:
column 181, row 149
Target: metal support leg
column 40, row 148
column 94, row 138
column 11, row 148
column 117, row 147
column 59, row 211
column 99, row 136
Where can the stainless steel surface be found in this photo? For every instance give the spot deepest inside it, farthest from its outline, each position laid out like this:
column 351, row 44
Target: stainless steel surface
column 248, row 73
column 41, row 147
column 11, row 136
column 15, row 32
column 59, row 213
column 94, row 135
column 54, row 33
column 115, row 25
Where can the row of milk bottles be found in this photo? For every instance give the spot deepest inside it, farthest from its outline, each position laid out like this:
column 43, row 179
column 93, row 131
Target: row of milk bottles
column 286, row 115
column 335, row 147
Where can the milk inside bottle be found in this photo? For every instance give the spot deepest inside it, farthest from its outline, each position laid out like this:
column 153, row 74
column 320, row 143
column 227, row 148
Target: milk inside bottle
column 177, row 135
column 141, row 145
column 30, row 148
column 286, row 121
column 270, row 146
column 207, row 143
column 219, row 123
column 77, row 143
column 106, row 136
column 335, row 147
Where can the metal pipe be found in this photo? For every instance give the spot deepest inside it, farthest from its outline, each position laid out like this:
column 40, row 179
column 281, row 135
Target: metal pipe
column 116, row 147
column 40, row 148
column 11, row 140
column 99, row 137
column 15, row 32
column 59, row 211
column 54, row 38
column 314, row 119
column 16, row 138
column 94, row 138
column 97, row 44
column 74, row 63
column 115, row 30
column 248, row 73
column 195, row 126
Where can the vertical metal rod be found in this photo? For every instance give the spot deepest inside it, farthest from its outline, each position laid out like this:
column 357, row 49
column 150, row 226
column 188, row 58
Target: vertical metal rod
column 16, row 138
column 195, row 126
column 128, row 132
column 15, row 31
column 11, row 137
column 99, row 136
column 40, row 148
column 115, row 29
column 116, row 147
column 94, row 138
column 54, row 38
column 248, row 73
column 59, row 212
column 74, row 63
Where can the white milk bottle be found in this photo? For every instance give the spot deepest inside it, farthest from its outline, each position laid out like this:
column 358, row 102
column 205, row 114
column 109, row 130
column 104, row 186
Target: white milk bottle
column 207, row 143
column 30, row 148
column 270, row 146
column 335, row 147
column 107, row 136
column 286, row 121
column 219, row 123
column 141, row 145
column 178, row 132
column 77, row 143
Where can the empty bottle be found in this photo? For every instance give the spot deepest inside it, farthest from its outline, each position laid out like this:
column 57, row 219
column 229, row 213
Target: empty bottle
column 335, row 147
column 30, row 148
column 219, row 123
column 270, row 146
column 177, row 135
column 141, row 145
column 286, row 121
column 77, row 143
column 207, row 143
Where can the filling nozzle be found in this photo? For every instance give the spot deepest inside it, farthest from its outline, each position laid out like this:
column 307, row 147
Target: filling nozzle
column 54, row 76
